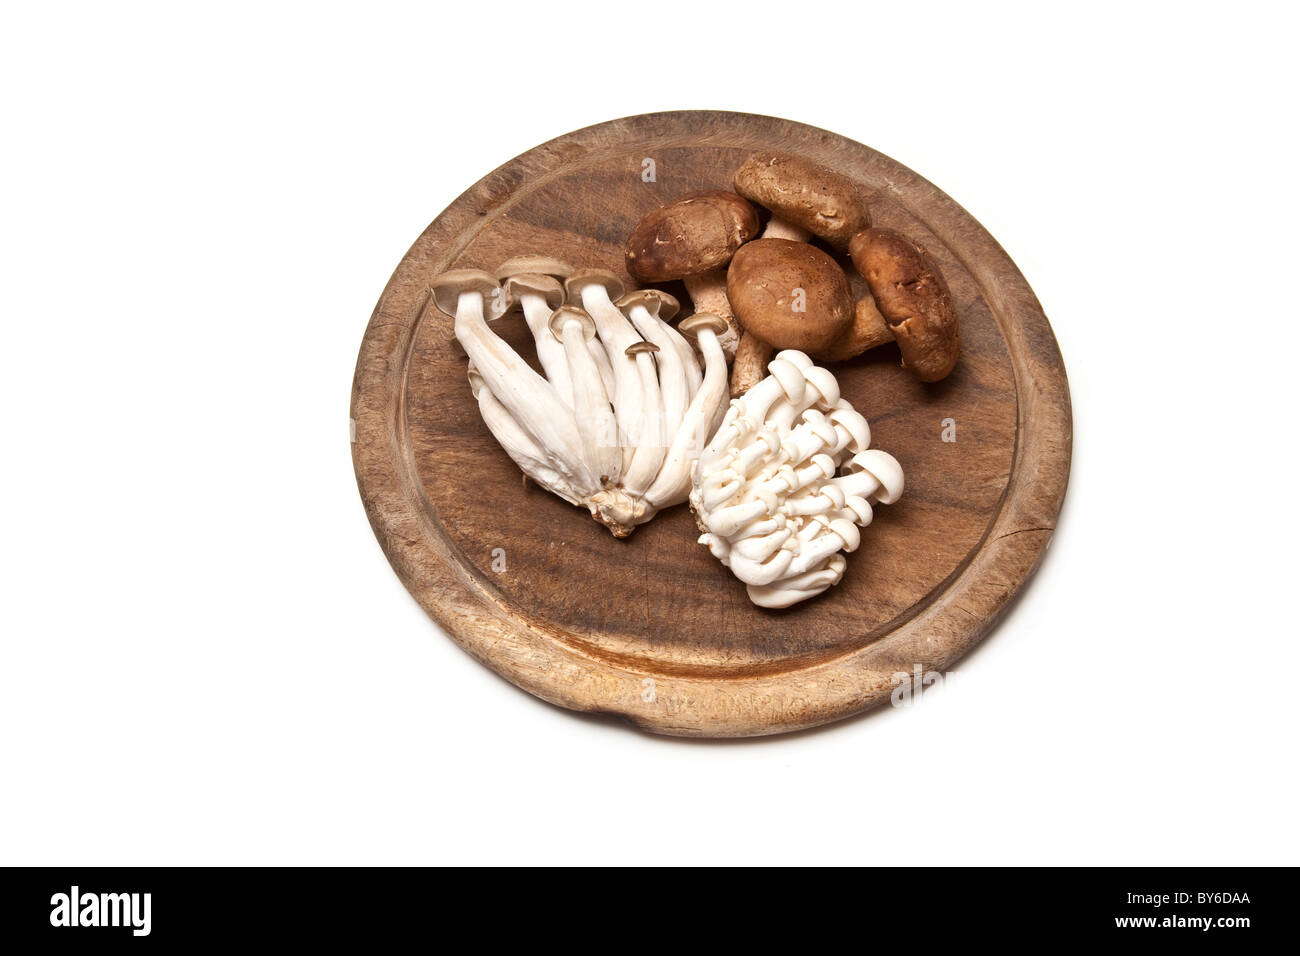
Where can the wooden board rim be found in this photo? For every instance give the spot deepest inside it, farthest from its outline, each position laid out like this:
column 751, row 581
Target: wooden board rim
column 933, row 637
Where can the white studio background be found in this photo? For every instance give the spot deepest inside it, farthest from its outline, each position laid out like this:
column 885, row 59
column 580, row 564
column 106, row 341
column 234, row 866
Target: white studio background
column 206, row 657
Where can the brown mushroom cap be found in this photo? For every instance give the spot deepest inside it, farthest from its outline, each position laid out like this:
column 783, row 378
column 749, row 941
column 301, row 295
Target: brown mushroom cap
column 544, row 285
column 569, row 313
column 575, row 283
column 913, row 298
column 806, row 194
column 696, row 233
column 692, row 325
column 447, row 287
column 535, row 265
column 657, row 302
column 762, row 283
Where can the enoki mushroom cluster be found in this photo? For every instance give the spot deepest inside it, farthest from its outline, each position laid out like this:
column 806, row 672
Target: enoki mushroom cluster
column 626, row 403
column 766, row 491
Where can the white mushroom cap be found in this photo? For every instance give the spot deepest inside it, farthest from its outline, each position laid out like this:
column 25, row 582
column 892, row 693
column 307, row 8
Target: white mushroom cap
column 853, row 422
column 790, row 375
column 885, row 468
column 824, row 381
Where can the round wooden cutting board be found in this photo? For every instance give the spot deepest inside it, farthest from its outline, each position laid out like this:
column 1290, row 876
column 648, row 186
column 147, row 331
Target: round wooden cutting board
column 652, row 627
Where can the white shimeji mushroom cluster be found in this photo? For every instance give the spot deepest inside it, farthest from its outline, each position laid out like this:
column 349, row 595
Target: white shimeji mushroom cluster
column 766, row 490
column 626, row 402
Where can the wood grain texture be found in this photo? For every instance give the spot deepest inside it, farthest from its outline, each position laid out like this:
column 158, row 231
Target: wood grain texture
column 586, row 621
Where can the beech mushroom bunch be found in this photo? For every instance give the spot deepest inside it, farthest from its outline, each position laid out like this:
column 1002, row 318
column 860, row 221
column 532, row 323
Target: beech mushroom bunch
column 766, row 492
column 626, row 402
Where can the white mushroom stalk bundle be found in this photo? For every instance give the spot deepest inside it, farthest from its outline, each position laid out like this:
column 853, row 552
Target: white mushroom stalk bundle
column 626, row 403
column 767, row 490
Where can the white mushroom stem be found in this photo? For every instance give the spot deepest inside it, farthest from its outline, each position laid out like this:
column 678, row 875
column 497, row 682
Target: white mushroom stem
column 800, row 587
column 674, row 480
column 616, row 335
column 762, row 547
column 519, row 445
column 785, row 382
column 762, row 572
column 819, row 503
column 708, row 292
column 727, row 521
column 814, row 435
column 839, row 536
column 602, row 365
column 862, row 484
column 764, row 445
column 720, row 489
column 530, row 399
column 778, row 228
column 763, row 527
column 550, row 352
column 673, row 383
column 647, row 441
column 599, row 431
column 690, row 363
column 821, row 391
column 858, row 510
column 818, row 468
column 855, row 432
column 885, row 472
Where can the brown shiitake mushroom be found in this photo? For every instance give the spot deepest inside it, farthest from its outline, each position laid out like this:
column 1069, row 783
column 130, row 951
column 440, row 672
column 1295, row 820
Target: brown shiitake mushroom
column 805, row 198
column 789, row 295
column 913, row 299
column 693, row 239
column 868, row 331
